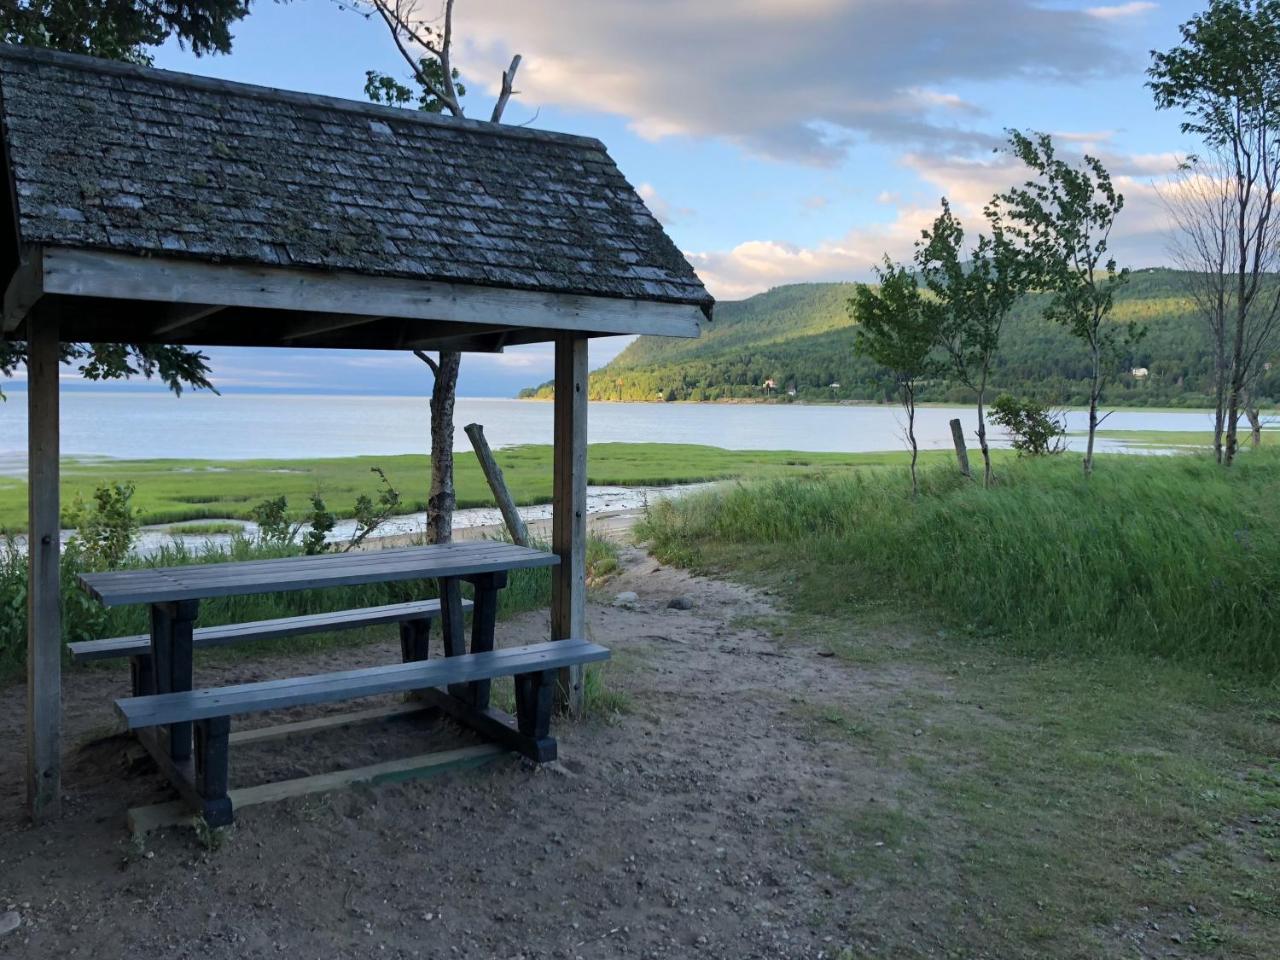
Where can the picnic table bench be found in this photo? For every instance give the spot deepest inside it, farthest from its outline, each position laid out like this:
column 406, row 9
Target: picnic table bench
column 187, row 731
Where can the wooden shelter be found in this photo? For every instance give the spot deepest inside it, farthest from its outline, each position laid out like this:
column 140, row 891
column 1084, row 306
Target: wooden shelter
column 145, row 206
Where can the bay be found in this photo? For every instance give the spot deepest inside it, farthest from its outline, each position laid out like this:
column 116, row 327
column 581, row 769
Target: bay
column 141, row 425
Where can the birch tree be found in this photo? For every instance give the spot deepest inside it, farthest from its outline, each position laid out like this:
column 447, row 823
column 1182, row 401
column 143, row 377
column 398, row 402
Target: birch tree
column 1200, row 202
column 1225, row 77
column 973, row 291
column 1063, row 219
column 425, row 43
column 898, row 330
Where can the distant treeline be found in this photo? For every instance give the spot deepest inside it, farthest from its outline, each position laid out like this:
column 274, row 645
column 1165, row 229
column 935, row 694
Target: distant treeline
column 800, row 338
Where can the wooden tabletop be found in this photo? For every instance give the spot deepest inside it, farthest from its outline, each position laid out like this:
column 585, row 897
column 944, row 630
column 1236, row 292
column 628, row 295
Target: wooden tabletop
column 201, row 580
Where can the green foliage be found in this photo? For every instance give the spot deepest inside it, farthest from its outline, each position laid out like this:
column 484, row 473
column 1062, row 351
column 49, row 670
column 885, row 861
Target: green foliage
column 272, row 518
column 381, row 88
column 1047, row 560
column 1063, row 217
column 1225, row 75
column 121, row 29
column 107, row 528
column 1032, row 428
column 369, row 515
column 895, row 327
column 320, row 522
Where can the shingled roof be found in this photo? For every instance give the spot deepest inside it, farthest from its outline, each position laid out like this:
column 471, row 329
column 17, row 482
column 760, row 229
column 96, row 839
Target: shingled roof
column 122, row 158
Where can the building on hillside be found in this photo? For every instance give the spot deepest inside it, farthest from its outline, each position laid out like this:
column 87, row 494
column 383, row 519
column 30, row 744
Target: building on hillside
column 1140, row 373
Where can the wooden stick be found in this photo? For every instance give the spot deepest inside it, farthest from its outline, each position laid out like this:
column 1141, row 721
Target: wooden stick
column 962, row 452
column 498, row 484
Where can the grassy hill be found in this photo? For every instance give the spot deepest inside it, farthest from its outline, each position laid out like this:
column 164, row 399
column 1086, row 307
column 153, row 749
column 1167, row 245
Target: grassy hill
column 801, row 337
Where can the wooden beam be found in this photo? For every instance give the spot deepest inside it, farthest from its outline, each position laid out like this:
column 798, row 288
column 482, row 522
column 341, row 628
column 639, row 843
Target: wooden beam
column 180, row 316
column 95, row 273
column 44, row 627
column 569, row 508
column 327, row 323
column 25, row 288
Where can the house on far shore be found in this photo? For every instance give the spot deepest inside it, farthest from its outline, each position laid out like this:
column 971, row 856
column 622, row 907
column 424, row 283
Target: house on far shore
column 835, row 385
column 769, row 386
column 1140, row 373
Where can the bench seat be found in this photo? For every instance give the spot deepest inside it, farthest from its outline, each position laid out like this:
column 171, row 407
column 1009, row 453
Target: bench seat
column 140, row 645
column 447, row 683
column 264, row 695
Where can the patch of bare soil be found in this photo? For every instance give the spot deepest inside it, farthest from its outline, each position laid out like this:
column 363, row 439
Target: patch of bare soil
column 677, row 829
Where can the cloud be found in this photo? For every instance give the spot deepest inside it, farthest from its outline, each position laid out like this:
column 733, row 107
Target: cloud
column 1140, row 237
column 1120, row 11
column 796, row 80
column 815, row 202
column 662, row 209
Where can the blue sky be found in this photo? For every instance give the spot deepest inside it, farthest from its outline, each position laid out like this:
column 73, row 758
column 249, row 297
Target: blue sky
column 779, row 140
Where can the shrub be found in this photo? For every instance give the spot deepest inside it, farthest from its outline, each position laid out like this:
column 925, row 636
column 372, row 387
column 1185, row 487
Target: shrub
column 1032, row 428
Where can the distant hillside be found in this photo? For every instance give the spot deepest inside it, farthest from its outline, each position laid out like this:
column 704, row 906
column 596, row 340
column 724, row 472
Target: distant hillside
column 801, row 338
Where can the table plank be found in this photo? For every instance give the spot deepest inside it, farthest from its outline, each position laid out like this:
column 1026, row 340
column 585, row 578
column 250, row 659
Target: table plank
column 202, row 581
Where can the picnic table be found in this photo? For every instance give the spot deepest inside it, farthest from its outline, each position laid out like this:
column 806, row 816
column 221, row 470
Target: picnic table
column 168, row 714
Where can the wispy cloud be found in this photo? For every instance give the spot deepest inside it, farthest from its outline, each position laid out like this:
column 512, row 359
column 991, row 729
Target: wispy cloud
column 1121, row 10
column 663, row 210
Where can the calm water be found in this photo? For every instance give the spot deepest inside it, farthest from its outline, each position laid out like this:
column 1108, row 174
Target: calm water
column 142, row 425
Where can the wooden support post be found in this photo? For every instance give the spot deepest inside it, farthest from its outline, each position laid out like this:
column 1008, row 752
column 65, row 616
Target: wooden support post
column 569, row 508
column 44, row 623
column 962, row 452
column 493, row 473
column 484, row 618
column 212, row 769
column 451, row 625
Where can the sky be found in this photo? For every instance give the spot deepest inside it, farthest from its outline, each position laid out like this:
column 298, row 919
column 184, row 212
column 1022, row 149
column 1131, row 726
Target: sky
column 779, row 141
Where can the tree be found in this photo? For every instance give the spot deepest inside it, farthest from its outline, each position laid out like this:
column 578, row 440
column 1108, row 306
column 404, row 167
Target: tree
column 973, row 294
column 1202, row 206
column 121, row 30
column 426, row 46
column 1063, row 219
column 1225, row 76
column 898, row 330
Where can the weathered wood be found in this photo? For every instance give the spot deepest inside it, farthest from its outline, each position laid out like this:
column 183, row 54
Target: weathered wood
column 25, row 288
column 172, row 629
column 325, row 323
column 143, row 820
column 492, row 724
column 452, row 629
column 569, row 507
column 962, row 452
column 213, row 760
column 96, row 273
column 497, row 484
column 180, row 316
column 483, row 622
column 535, row 694
column 44, row 624
column 334, row 721
column 232, row 633
column 200, row 581
column 169, row 708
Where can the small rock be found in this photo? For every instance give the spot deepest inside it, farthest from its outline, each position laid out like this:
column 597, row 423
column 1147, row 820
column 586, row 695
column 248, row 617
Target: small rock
column 681, row 602
column 627, row 598
column 9, row 922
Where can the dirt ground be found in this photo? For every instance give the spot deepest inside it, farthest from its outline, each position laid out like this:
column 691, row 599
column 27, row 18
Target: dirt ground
column 674, row 828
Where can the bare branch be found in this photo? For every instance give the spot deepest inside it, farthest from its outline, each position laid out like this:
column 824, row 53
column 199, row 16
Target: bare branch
column 435, row 367
column 508, row 78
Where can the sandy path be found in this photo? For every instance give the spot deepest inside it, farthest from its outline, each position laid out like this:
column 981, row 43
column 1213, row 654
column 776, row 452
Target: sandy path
column 673, row 830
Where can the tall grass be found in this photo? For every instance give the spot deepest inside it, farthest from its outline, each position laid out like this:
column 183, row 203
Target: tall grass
column 1171, row 556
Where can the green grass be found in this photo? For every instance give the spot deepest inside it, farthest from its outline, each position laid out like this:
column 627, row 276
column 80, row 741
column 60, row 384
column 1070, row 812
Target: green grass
column 177, row 491
column 204, row 528
column 1063, row 741
column 1170, row 556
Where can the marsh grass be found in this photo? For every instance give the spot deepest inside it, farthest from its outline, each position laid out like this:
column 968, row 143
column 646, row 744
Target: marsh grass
column 1170, row 556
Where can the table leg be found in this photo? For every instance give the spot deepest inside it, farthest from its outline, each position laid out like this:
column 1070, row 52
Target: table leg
column 171, row 654
column 451, row 626
column 484, row 616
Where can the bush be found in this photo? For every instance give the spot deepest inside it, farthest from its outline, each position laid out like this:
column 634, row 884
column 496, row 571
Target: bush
column 1032, row 428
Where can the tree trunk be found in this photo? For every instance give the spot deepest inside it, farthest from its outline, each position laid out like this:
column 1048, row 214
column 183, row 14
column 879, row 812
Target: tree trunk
column 441, row 501
column 982, row 437
column 909, row 402
column 1095, row 394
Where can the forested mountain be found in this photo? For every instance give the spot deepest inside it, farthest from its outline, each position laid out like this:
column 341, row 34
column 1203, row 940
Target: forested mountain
column 800, row 337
